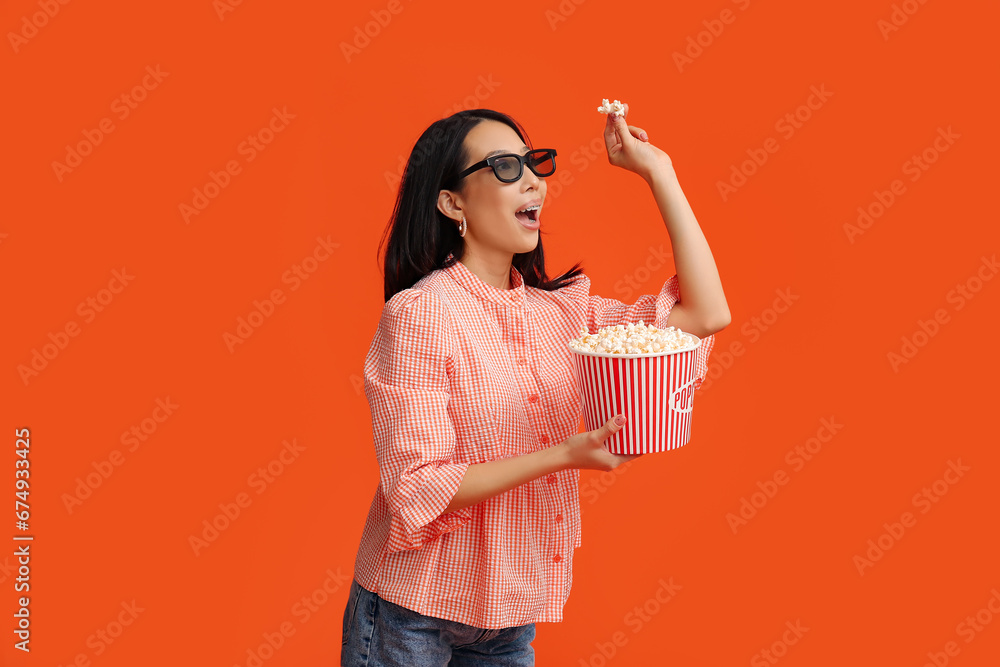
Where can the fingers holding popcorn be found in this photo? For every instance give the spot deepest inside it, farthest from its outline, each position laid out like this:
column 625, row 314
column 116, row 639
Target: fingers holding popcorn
column 617, row 113
column 628, row 145
column 617, row 121
column 620, row 138
column 615, row 130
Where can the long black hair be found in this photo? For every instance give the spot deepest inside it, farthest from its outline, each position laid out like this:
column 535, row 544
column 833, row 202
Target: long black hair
column 421, row 237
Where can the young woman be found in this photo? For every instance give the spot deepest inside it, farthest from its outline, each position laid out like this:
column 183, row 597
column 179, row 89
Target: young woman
column 469, row 539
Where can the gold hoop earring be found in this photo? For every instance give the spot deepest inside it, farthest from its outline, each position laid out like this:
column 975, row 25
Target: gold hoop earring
column 461, row 230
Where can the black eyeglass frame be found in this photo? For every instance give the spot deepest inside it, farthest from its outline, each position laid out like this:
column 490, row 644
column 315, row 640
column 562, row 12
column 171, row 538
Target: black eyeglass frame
column 521, row 160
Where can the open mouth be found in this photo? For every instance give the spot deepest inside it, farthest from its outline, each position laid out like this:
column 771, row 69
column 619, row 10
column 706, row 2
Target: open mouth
column 528, row 216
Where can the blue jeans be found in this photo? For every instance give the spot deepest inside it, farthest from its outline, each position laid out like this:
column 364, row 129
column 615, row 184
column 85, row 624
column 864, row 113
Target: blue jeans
column 378, row 633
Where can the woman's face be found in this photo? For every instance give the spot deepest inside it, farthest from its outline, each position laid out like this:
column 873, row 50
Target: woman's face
column 494, row 232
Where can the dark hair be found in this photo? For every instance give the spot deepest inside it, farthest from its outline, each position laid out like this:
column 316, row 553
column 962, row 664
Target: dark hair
column 420, row 236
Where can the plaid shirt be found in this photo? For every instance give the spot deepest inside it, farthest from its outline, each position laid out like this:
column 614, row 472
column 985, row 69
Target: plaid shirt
column 461, row 372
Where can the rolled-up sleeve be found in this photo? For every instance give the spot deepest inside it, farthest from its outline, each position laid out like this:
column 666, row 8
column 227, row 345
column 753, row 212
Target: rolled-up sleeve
column 407, row 386
column 652, row 309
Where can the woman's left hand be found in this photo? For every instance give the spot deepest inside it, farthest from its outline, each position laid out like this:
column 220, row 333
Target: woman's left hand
column 629, row 148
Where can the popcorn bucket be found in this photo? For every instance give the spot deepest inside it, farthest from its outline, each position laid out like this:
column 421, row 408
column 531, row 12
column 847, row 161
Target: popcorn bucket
column 654, row 391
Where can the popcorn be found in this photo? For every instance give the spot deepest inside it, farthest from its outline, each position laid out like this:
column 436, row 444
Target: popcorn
column 612, row 107
column 633, row 339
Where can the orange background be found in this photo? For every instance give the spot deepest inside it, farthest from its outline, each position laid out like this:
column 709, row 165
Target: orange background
column 297, row 376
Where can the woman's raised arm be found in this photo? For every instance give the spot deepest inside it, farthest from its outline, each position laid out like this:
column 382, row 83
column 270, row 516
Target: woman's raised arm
column 701, row 308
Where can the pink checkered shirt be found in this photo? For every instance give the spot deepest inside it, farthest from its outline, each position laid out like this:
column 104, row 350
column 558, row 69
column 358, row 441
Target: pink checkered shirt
column 461, row 372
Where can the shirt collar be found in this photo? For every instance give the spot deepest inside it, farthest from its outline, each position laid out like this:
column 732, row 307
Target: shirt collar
column 475, row 285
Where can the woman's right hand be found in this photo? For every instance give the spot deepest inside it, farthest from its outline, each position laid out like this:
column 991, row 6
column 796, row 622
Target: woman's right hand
column 587, row 451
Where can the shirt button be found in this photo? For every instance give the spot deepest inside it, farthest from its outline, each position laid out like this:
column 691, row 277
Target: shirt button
column 557, row 558
column 551, row 479
column 533, row 398
column 558, row 518
column 544, row 439
column 520, row 361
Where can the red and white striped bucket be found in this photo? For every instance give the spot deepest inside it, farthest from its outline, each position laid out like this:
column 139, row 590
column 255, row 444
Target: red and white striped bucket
column 655, row 391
